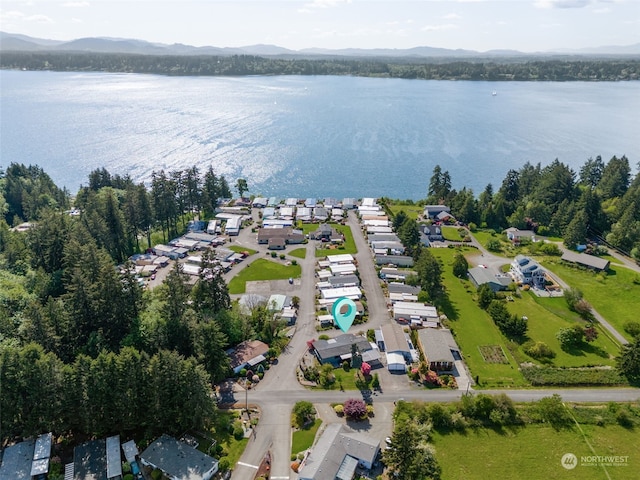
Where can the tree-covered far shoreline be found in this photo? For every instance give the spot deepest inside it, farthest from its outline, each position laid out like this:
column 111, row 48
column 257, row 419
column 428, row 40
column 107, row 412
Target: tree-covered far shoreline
column 554, row 69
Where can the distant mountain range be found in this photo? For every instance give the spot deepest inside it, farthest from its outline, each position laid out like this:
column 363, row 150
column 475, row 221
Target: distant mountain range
column 24, row 43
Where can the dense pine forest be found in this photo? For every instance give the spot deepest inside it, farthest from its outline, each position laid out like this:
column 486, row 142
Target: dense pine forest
column 501, row 69
column 77, row 329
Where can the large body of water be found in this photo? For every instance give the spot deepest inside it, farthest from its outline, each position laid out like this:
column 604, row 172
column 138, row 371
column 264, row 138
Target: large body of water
column 310, row 136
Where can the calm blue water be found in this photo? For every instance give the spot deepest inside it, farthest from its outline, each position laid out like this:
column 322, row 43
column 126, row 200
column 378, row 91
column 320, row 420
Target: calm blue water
column 310, row 136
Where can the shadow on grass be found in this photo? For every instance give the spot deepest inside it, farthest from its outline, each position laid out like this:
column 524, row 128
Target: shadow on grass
column 444, row 303
column 586, row 348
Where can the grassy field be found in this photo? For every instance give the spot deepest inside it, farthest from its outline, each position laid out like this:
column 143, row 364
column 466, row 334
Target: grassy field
column 547, row 316
column 483, row 236
column 262, row 269
column 298, row 252
column 474, row 328
column 303, row 439
column 412, row 211
column 616, row 295
column 239, row 249
column 534, row 451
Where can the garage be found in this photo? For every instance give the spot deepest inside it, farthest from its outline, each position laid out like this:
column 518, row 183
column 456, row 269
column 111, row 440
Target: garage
column 395, row 363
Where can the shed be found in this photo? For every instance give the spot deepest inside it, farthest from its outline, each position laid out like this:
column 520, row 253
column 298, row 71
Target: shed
column 586, row 260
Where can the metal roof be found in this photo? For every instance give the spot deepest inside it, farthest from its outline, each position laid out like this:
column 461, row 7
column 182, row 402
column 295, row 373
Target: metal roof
column 114, row 461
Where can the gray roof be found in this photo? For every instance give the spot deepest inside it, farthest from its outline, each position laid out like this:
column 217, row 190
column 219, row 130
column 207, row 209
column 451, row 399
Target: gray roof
column 329, row 455
column 178, row 459
column 344, row 280
column 586, row 260
column 16, row 461
column 402, row 260
column 114, row 460
column 90, row 460
column 394, row 338
column 395, row 287
column 130, row 450
column 340, row 345
column 481, row 275
column 436, row 344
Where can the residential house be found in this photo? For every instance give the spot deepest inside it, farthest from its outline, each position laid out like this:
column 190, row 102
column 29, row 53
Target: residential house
column 337, row 214
column 338, row 349
column 337, row 454
column 433, row 233
column 269, row 213
column 438, row 348
column 247, row 354
column 327, row 233
column 392, row 273
column 594, row 263
column 330, row 202
column 291, row 202
column 444, row 217
column 496, row 281
column 179, row 461
column 287, row 213
column 310, row 202
column 343, row 258
column 272, row 202
column 320, row 214
column 260, row 202
column 26, row 460
column 518, row 236
column 432, row 211
column 527, row 271
column 371, row 230
column 394, row 248
column 286, row 236
column 395, row 287
column 304, row 214
column 395, row 343
column 414, row 313
column 233, row 225
column 397, row 260
column 349, row 203
column 97, row 460
column 382, row 237
column 354, row 293
column 344, row 281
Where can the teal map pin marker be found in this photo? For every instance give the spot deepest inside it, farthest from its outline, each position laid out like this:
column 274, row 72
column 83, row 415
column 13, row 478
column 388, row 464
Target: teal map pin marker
column 344, row 320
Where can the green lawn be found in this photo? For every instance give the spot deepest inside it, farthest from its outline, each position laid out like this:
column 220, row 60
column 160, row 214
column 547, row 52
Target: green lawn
column 232, row 448
column 473, row 327
column 451, row 234
column 298, row 252
column 262, row 269
column 483, row 236
column 349, row 246
column 239, row 249
column 303, row 439
column 614, row 295
column 346, row 379
column 412, row 211
column 547, row 316
column 534, row 451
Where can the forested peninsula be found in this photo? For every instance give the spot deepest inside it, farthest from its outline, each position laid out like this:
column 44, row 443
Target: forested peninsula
column 486, row 69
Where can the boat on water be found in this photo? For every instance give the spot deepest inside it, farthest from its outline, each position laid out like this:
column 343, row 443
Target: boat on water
column 494, row 93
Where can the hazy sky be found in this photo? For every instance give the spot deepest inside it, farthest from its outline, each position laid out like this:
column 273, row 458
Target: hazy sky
column 526, row 25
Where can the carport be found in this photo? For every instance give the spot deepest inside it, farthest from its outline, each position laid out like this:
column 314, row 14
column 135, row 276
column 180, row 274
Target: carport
column 395, row 363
